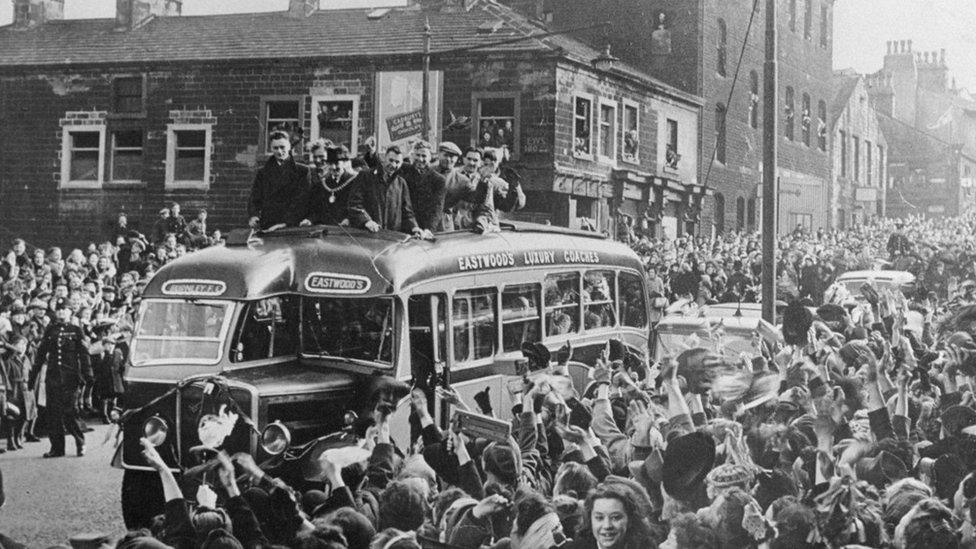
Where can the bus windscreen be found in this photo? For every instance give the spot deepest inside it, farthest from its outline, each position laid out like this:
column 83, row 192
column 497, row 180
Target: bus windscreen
column 355, row 328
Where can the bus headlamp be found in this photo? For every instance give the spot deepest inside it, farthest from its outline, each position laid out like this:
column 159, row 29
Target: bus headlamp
column 155, row 430
column 275, row 439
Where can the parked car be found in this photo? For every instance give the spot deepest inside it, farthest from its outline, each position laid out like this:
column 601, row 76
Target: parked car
column 881, row 280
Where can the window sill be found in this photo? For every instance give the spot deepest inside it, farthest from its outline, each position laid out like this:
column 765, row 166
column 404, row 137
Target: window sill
column 669, row 169
column 632, row 160
column 128, row 184
column 187, row 185
column 142, row 115
column 86, row 185
column 582, row 156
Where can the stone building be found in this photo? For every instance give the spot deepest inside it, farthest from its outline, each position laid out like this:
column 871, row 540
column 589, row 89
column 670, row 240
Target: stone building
column 931, row 127
column 152, row 107
column 695, row 45
column 859, row 173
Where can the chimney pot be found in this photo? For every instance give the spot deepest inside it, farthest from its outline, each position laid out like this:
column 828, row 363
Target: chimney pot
column 909, row 45
column 302, row 8
column 131, row 14
column 904, row 46
column 30, row 13
column 942, row 56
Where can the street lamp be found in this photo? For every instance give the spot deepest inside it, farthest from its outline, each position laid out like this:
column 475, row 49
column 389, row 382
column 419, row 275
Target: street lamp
column 605, row 61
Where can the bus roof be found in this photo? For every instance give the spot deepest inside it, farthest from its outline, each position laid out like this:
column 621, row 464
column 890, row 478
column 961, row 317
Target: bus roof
column 339, row 261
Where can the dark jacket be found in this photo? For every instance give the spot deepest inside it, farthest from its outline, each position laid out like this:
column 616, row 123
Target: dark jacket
column 277, row 192
column 427, row 192
column 63, row 349
column 319, row 209
column 383, row 200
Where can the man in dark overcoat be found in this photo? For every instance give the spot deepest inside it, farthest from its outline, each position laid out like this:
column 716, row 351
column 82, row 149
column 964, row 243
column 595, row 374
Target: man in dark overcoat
column 278, row 189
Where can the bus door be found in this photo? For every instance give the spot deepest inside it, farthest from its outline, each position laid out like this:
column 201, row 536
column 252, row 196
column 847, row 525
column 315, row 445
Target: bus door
column 428, row 343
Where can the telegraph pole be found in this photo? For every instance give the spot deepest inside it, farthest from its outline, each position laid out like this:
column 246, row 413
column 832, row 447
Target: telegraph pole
column 425, row 92
column 770, row 188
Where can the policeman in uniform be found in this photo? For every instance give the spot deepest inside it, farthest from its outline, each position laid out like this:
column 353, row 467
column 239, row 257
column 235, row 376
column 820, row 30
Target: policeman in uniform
column 64, row 351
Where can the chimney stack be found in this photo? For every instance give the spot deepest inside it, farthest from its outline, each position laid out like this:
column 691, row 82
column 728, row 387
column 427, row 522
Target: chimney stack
column 300, row 9
column 30, row 13
column 132, row 14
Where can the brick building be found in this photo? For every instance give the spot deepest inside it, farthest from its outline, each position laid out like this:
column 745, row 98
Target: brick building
column 931, row 126
column 151, row 107
column 860, row 150
column 695, row 45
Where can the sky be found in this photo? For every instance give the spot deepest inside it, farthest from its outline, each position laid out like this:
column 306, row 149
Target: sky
column 861, row 27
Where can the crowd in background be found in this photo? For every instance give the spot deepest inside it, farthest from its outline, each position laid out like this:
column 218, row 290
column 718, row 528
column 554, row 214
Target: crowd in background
column 855, row 430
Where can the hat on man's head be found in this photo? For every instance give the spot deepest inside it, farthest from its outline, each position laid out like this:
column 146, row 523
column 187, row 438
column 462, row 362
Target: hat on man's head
column 91, row 540
column 947, row 472
column 334, row 155
column 728, row 475
column 449, row 148
column 687, row 461
column 221, row 538
column 882, row 469
column 797, row 321
column 956, row 418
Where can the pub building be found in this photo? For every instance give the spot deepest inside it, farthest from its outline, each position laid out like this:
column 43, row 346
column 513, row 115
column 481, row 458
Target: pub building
column 149, row 107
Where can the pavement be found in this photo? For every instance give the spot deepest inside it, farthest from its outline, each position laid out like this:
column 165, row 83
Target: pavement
column 51, row 500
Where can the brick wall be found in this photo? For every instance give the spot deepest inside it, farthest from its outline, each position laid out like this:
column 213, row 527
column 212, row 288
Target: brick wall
column 32, row 107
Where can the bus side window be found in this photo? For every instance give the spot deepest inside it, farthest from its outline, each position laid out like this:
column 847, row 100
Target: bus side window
column 475, row 327
column 521, row 318
column 562, row 303
column 633, row 309
column 599, row 297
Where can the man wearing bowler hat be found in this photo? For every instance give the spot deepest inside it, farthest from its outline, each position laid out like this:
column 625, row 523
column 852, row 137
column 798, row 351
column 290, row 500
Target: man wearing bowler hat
column 64, row 351
column 327, row 201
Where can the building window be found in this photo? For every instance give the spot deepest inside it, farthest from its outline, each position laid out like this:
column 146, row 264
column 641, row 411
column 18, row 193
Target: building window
column 753, row 99
column 671, row 155
column 803, row 220
column 751, row 214
column 867, row 162
column 188, row 150
column 824, row 26
column 857, row 158
column 631, row 132
column 126, row 165
column 336, row 118
column 719, row 213
column 497, row 118
column 608, row 131
column 720, row 112
column 822, row 125
column 881, row 167
column 740, row 213
column 82, row 156
column 843, row 153
column 789, row 111
column 723, row 39
column 806, row 121
column 793, row 15
column 129, row 95
column 808, row 19
column 582, row 127
column 283, row 114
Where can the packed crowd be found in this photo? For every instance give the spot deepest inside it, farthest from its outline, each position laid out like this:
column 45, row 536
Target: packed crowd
column 77, row 308
column 857, row 430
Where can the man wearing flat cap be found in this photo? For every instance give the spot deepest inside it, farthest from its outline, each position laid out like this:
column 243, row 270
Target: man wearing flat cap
column 457, row 185
column 327, row 199
column 64, row 351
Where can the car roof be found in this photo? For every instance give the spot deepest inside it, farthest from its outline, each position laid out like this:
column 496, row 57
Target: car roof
column 877, row 275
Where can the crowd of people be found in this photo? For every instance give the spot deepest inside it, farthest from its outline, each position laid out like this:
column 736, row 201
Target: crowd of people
column 857, row 430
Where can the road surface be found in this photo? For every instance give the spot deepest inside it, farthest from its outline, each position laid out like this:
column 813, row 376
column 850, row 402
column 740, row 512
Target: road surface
column 51, row 500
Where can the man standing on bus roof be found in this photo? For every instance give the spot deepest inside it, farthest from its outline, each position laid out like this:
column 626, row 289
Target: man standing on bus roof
column 64, row 353
column 427, row 188
column 381, row 200
column 494, row 193
column 458, row 185
column 278, row 188
column 327, row 200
